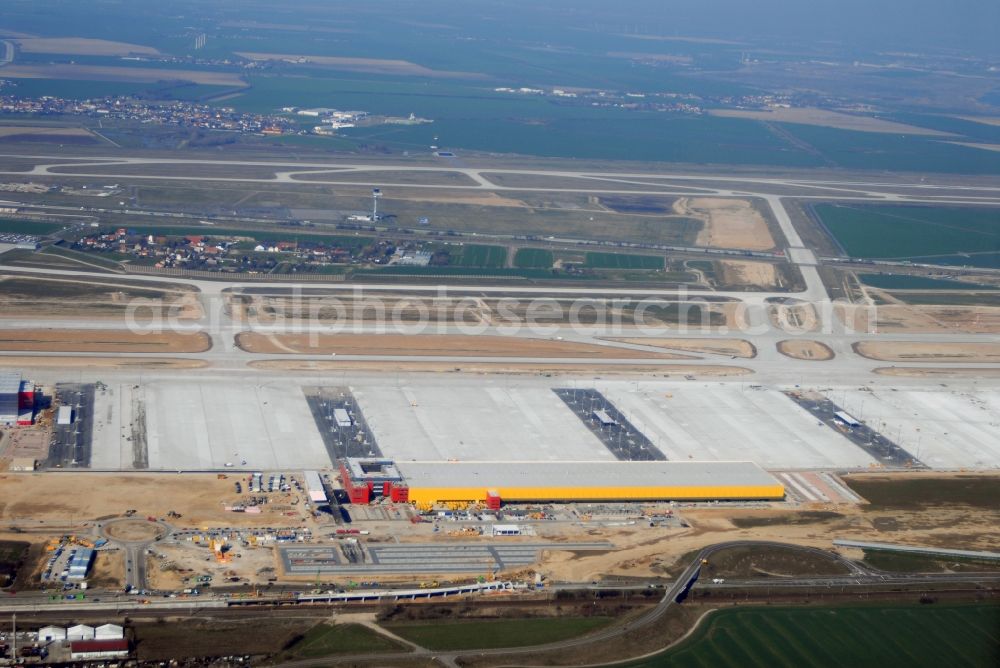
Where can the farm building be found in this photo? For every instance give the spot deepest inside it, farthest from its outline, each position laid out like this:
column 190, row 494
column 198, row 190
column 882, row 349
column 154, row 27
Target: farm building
column 10, row 397
column 493, row 482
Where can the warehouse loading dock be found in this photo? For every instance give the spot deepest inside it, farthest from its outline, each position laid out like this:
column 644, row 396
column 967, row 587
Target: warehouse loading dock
column 521, row 482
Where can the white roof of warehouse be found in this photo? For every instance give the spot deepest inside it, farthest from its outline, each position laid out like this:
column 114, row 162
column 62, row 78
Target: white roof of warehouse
column 10, row 383
column 583, row 474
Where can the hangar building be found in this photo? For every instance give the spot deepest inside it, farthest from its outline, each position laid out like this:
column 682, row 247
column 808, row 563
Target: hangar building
column 494, row 482
column 10, row 388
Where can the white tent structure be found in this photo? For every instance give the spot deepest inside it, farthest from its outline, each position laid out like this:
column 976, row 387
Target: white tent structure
column 80, row 632
column 109, row 632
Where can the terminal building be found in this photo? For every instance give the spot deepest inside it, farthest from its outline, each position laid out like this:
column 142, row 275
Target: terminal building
column 493, row 483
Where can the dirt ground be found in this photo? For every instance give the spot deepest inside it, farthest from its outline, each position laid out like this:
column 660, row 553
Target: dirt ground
column 664, row 371
column 794, row 317
column 804, row 349
column 930, row 372
column 198, row 498
column 647, row 552
column 909, row 351
column 829, row 119
column 107, row 571
column 37, row 361
column 81, row 46
column 731, row 347
column 742, row 272
column 92, row 299
column 172, row 563
column 728, row 223
column 103, row 341
column 929, row 319
column 445, row 345
column 18, row 442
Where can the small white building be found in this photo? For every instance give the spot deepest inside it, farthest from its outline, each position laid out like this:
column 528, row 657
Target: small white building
column 109, row 632
column 80, row 632
column 64, row 415
column 51, row 634
column 506, row 530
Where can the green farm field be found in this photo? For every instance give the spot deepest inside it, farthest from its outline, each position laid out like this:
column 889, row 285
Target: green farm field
column 492, row 633
column 27, row 226
column 473, row 255
column 533, row 258
column 325, row 639
column 951, row 235
column 623, row 261
column 876, row 636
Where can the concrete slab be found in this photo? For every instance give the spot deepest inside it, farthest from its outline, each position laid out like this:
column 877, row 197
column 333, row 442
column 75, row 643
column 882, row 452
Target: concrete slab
column 205, row 425
column 944, row 430
column 109, row 440
column 730, row 422
column 482, row 423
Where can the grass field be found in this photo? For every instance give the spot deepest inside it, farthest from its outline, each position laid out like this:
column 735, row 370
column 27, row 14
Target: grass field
column 750, row 562
column 902, row 562
column 485, row 257
column 904, row 232
column 208, row 638
column 27, row 226
column 917, row 492
column 325, row 639
column 492, row 633
column 533, row 258
column 877, row 636
column 623, row 261
column 461, row 271
column 949, row 298
column 907, row 282
column 40, row 288
column 107, row 260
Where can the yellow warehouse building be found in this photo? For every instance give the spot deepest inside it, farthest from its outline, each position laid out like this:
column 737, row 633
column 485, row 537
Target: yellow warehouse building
column 440, row 482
